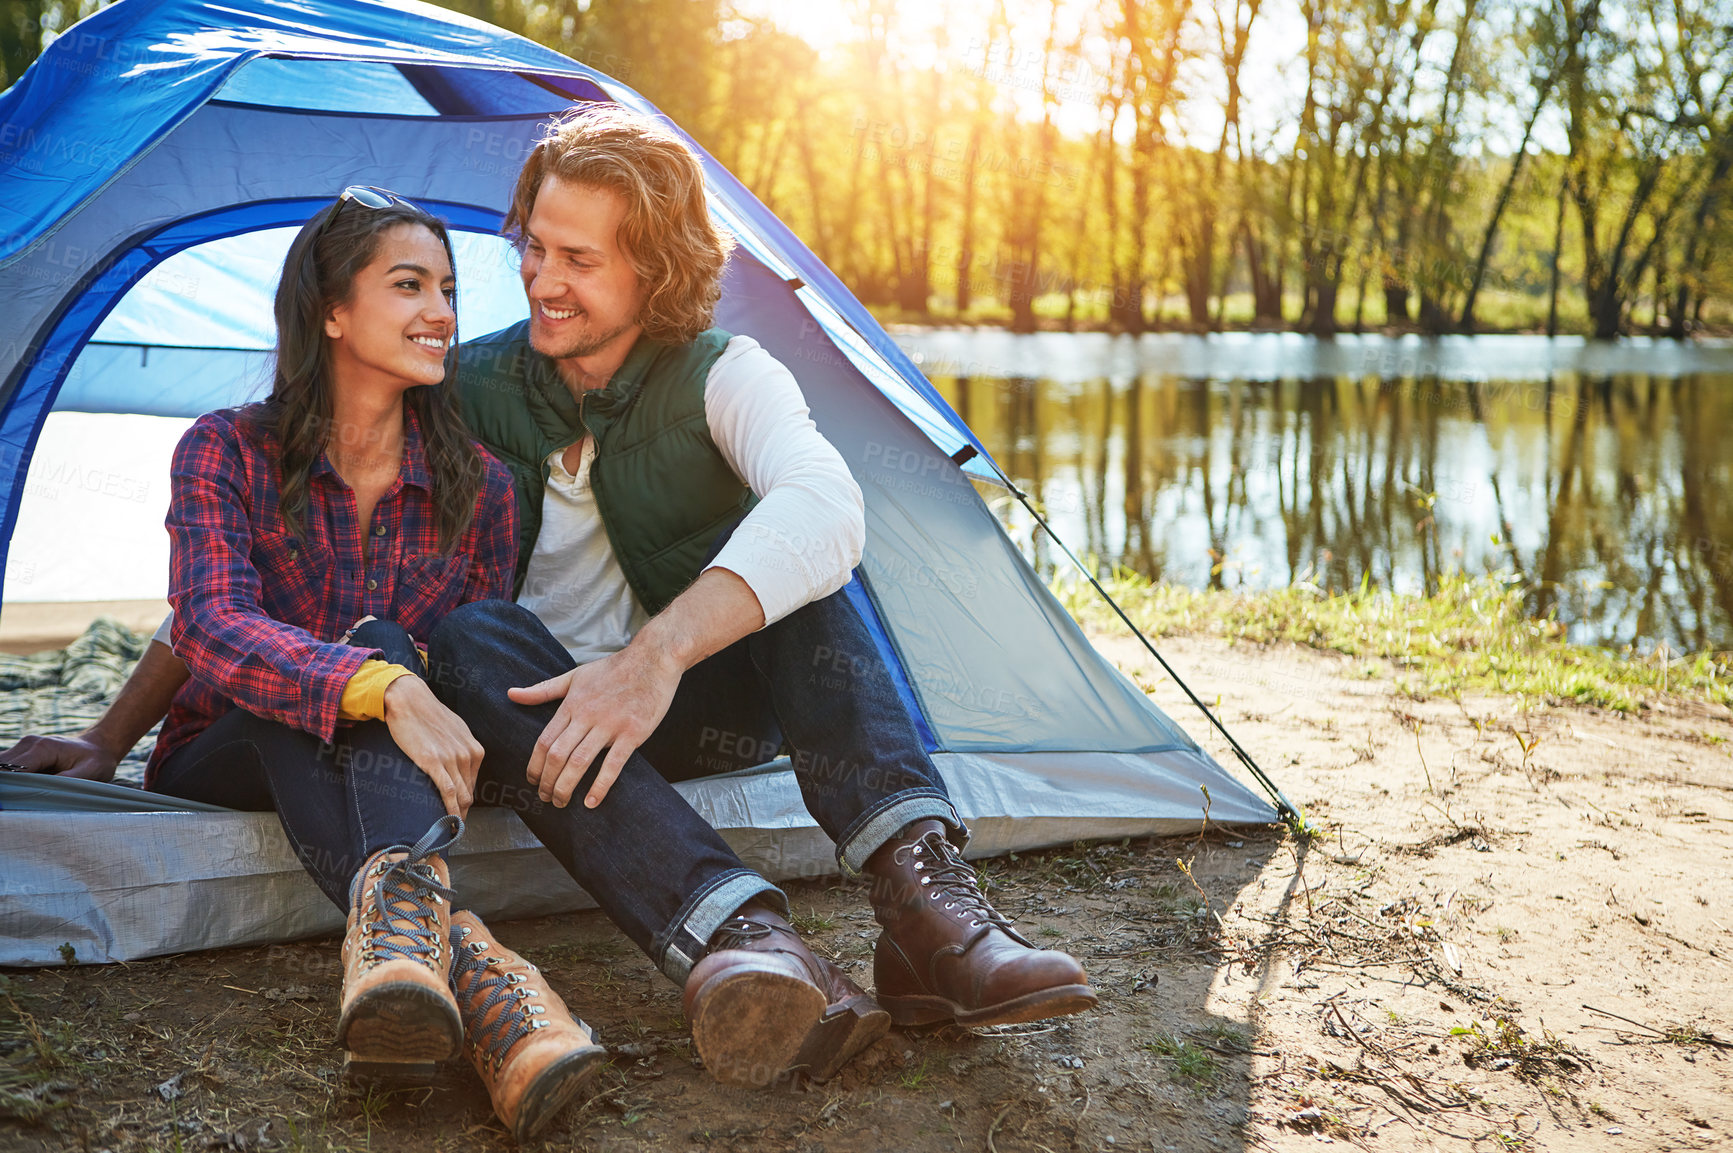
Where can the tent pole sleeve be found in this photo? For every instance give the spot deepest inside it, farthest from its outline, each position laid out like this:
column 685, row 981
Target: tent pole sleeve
column 1290, row 812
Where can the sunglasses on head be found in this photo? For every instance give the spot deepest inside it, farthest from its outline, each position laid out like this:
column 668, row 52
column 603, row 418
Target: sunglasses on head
column 367, row 196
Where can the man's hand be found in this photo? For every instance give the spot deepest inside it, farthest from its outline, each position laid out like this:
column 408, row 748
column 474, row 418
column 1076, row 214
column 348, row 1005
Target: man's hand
column 617, row 702
column 70, row 756
column 614, row 703
column 436, row 739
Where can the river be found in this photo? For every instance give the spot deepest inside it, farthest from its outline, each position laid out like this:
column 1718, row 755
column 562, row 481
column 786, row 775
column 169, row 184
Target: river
column 1598, row 475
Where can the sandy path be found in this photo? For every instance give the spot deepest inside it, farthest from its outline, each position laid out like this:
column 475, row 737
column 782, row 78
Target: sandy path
column 31, row 626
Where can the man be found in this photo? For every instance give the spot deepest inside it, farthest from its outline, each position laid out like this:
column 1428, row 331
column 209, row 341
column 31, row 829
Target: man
column 665, row 471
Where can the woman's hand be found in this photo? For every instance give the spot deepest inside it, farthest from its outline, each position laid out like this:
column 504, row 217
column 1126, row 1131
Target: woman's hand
column 436, row 739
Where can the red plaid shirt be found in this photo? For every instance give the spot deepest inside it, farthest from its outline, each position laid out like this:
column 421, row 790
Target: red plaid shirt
column 257, row 612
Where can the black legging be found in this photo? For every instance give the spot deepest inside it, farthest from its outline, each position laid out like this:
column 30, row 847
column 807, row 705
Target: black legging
column 339, row 803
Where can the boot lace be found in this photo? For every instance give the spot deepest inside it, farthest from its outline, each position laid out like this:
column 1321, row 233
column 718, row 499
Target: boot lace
column 405, row 923
column 481, row 986
column 946, row 877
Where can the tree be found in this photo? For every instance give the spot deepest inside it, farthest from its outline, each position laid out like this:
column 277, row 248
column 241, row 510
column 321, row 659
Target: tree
column 1553, row 46
column 20, row 38
column 1233, row 29
column 1153, row 31
column 1641, row 89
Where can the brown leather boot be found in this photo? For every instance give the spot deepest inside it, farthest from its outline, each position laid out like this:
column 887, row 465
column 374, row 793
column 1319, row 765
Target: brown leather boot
column 532, row 1054
column 398, row 1017
column 754, row 998
column 946, row 954
column 851, row 1022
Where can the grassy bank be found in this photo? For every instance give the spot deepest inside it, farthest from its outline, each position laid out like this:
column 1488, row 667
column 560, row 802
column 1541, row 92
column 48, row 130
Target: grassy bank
column 1472, row 635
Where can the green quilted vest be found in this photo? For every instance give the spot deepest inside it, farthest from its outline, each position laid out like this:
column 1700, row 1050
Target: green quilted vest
column 663, row 488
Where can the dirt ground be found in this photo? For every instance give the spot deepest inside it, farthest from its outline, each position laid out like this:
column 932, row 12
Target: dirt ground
column 1511, row 933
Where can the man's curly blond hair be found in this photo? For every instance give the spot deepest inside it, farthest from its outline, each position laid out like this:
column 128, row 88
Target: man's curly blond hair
column 667, row 233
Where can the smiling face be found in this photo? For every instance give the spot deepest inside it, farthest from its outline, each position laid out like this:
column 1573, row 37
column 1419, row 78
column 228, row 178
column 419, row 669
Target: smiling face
column 398, row 320
column 584, row 294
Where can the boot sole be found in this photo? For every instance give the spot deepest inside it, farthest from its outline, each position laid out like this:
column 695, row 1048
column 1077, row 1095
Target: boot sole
column 1059, row 1001
column 401, row 1023
column 556, row 1087
column 749, row 1023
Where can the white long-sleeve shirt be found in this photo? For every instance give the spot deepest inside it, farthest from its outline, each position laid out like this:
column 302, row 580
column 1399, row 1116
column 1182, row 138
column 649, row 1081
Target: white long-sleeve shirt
column 799, row 543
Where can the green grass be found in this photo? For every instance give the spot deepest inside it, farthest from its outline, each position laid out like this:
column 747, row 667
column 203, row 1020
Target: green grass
column 811, row 922
column 917, row 1077
column 1187, row 1061
column 1227, row 1036
column 1471, row 636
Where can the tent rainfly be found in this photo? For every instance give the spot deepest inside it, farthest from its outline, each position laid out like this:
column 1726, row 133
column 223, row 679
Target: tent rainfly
column 164, row 143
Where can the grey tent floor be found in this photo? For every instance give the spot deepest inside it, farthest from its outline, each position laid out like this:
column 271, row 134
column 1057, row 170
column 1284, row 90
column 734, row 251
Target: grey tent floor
column 117, row 874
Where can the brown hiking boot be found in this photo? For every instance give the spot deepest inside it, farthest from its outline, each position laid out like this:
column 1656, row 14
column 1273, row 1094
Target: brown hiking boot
column 851, row 1022
column 532, row 1054
column 946, row 954
column 754, row 998
column 398, row 1016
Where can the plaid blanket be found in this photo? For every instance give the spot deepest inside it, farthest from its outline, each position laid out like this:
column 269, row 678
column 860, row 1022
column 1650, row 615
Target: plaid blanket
column 66, row 690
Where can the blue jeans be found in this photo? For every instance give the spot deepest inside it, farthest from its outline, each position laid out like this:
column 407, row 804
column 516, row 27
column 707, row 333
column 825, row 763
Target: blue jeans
column 813, row 681
column 339, row 803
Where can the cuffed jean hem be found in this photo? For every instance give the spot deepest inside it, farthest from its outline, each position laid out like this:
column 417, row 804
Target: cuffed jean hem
column 688, row 938
column 879, row 824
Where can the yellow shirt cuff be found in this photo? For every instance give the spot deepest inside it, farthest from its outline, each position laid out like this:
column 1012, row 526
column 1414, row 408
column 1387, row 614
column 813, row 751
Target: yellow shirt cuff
column 364, row 695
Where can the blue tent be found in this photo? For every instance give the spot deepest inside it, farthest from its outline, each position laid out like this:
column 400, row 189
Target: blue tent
column 153, row 164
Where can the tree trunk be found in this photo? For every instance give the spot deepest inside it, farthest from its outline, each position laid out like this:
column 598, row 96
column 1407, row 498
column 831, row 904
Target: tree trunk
column 1233, row 58
column 1117, row 288
column 1466, row 321
column 1266, row 283
column 1195, row 262
column 1607, row 310
column 1198, row 275
column 966, row 243
column 917, row 283
column 1694, row 265
column 1360, row 300
column 977, row 128
column 1151, row 66
column 1395, row 301
column 1558, row 244
column 1142, row 157
column 1080, row 234
column 1324, row 307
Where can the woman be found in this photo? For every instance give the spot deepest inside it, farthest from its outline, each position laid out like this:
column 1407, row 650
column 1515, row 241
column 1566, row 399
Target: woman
column 354, row 494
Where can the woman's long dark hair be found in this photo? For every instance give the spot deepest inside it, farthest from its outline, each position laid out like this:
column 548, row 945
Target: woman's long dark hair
column 318, row 275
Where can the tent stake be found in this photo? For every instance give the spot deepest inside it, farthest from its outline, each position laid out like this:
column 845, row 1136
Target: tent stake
column 1290, row 812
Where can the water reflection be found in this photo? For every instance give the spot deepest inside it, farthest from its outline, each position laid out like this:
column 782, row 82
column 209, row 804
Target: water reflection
column 1603, row 490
